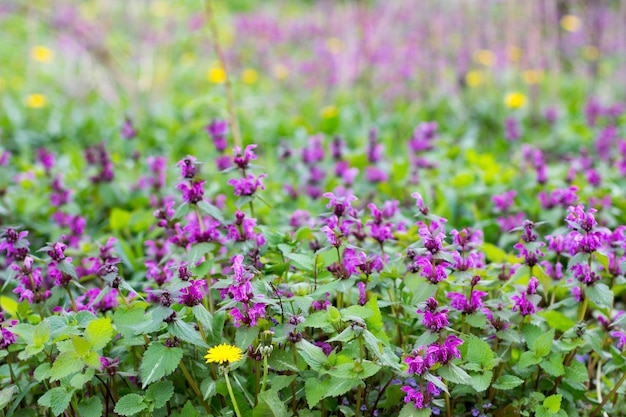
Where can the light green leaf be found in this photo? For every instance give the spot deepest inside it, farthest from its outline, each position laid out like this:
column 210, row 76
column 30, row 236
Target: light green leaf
column 409, row 410
column 553, row 364
column 479, row 351
column 81, row 346
column 130, row 404
column 41, row 333
column 99, row 333
column 158, row 361
column 453, row 373
column 481, row 381
column 90, row 407
column 601, row 295
column 119, row 219
column 553, row 403
column 270, row 405
column 543, row 344
column 507, row 382
column 312, row 354
column 187, row 332
column 159, row 393
column 66, row 364
column 57, row 399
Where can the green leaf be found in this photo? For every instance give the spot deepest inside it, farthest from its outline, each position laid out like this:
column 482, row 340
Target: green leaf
column 119, row 218
column 270, row 405
column 479, row 351
column 478, row 320
column 212, row 211
column 66, row 364
column 317, row 320
column 600, row 295
column 41, row 333
column 187, row 411
column 553, row 403
column 453, row 373
column 576, row 372
column 197, row 251
column 42, row 372
column 303, row 262
column 315, row 390
column 497, row 255
column 159, row 393
column 507, row 382
column 541, row 275
column 409, row 410
column 531, row 333
column 528, row 358
column 553, row 364
column 375, row 321
column 282, row 360
column 90, row 407
column 557, row 320
column 99, row 333
column 7, row 394
column 187, row 332
column 81, row 346
column 245, row 336
column 79, row 380
column 125, row 317
column 203, row 316
column 57, row 399
column 481, row 381
column 312, row 354
column 281, row 381
column 543, row 344
column 130, row 404
column 158, row 361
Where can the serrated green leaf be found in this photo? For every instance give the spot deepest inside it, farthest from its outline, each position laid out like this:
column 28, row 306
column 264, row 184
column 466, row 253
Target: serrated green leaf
column 127, row 316
column 313, row 355
column 79, row 380
column 528, row 358
column 576, row 372
column 159, row 393
column 203, row 316
column 187, row 332
column 553, row 403
column 553, row 365
column 99, row 333
column 212, row 211
column 600, row 294
column 477, row 320
column 479, row 351
column 90, row 407
column 66, row 364
column 507, row 382
column 453, row 373
column 270, row 405
column 42, row 372
column 130, row 404
column 409, row 410
column 57, row 399
column 7, row 394
column 481, row 381
column 208, row 387
column 543, row 344
column 281, row 381
column 81, row 346
column 245, row 336
column 317, row 320
column 198, row 251
column 557, row 320
column 41, row 333
column 158, row 361
column 531, row 333
column 303, row 262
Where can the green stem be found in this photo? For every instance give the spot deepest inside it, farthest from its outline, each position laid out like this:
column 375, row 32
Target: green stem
column 194, row 387
column 583, row 306
column 264, row 373
column 448, row 407
column 71, row 298
column 608, row 397
column 251, row 209
column 232, row 396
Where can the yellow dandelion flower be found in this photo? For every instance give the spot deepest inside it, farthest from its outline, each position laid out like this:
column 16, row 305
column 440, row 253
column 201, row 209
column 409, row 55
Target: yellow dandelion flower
column 42, row 54
column 473, row 78
column 515, row 100
column 485, row 57
column 329, row 112
column 280, row 71
column 36, row 101
column 223, row 353
column 216, row 75
column 533, row 76
column 571, row 23
column 514, row 53
column 334, row 45
column 591, row 53
column 249, row 76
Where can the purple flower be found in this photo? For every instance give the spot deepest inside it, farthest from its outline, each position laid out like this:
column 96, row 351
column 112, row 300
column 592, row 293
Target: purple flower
column 46, row 159
column 448, row 350
column 362, row 294
column 460, row 302
column 218, row 129
column 621, row 338
column 419, row 362
column 432, row 235
column 414, row 396
column 128, row 131
column 419, row 202
column 524, row 305
column 193, row 294
column 511, row 129
column 243, row 160
column 341, row 205
column 188, row 167
column 584, row 274
column 375, row 174
column 433, row 273
column 247, row 186
column 333, row 238
column 8, row 338
column 433, row 320
column 193, row 193
column 315, row 153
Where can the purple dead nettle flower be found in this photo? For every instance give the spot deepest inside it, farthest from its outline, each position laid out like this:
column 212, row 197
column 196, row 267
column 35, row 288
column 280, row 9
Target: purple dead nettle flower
column 529, row 253
column 341, row 205
column 301, row 218
column 249, row 311
column 208, row 231
column 247, row 186
column 460, row 302
column 15, row 244
column 160, row 272
column 89, row 301
column 4, row 158
column 128, row 131
column 193, row 294
column 98, row 156
column 432, row 235
column 218, row 129
column 59, row 195
column 337, row 147
column 31, row 285
column 620, row 336
column 188, row 167
column 584, row 274
column 433, row 320
column 192, row 193
column 243, row 229
column 503, row 202
column 423, row 136
column 559, row 197
column 585, row 236
column 46, row 159
column 315, row 152
column 512, row 129
column 242, row 160
column 419, row 202
column 362, row 293
column 321, row 305
column 526, row 301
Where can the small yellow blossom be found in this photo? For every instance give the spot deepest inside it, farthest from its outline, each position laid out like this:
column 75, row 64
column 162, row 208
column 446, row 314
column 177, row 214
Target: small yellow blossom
column 515, row 100
column 533, row 76
column 485, row 57
column 330, row 112
column 514, row 53
column 334, row 45
column 223, row 353
column 473, row 78
column 591, row 53
column 216, row 75
column 36, row 101
column 280, row 71
column 249, row 76
column 571, row 23
column 159, row 8
column 42, row 54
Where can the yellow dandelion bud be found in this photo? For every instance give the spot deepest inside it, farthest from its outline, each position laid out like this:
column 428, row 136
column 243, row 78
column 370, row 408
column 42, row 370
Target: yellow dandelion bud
column 280, row 71
column 591, row 53
column 216, row 75
column 571, row 23
column 514, row 53
column 473, row 78
column 329, row 112
column 42, row 54
column 515, row 100
column 249, row 76
column 485, row 57
column 223, row 353
column 36, row 101
column 533, row 76
column 334, row 45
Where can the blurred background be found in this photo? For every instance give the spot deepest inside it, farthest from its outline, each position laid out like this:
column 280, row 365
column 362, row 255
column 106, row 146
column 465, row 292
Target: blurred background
column 69, row 64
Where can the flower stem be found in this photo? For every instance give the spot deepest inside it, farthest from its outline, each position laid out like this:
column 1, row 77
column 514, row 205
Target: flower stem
column 448, row 407
column 71, row 298
column 232, row 396
column 194, row 386
column 264, row 373
column 611, row 393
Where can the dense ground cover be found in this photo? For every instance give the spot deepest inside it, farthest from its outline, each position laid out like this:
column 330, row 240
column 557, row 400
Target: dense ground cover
column 460, row 255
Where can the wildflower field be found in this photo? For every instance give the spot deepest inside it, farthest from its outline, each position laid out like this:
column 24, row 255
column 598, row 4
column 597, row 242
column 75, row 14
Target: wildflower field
column 313, row 208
